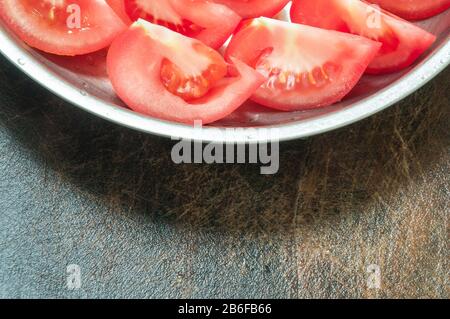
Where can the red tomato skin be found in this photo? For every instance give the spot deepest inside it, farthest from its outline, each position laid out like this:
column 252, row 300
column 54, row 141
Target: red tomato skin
column 119, row 8
column 221, row 20
column 382, row 65
column 143, row 92
column 106, row 27
column 412, row 40
column 245, row 46
column 414, row 9
column 255, row 8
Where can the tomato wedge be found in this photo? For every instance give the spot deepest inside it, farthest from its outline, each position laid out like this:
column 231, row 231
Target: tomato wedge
column 255, row 8
column 161, row 73
column 62, row 27
column 402, row 41
column 203, row 20
column 414, row 9
column 306, row 67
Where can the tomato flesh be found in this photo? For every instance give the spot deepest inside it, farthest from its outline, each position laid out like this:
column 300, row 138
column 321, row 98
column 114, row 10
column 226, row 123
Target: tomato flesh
column 191, row 86
column 403, row 42
column 282, row 79
column 208, row 22
column 305, row 67
column 255, row 8
column 62, row 27
column 169, row 18
column 414, row 9
column 164, row 74
column 53, row 14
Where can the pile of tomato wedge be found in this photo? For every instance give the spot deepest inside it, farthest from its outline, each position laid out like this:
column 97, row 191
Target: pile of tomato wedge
column 167, row 58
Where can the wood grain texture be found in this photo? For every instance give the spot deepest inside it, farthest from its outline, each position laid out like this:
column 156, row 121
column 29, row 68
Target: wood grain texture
column 75, row 189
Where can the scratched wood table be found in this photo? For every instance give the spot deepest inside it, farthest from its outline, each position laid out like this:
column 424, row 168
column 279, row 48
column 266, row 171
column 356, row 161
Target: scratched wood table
column 359, row 212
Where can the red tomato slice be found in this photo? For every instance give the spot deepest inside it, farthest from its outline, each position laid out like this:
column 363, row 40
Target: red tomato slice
column 203, row 20
column 402, row 41
column 164, row 74
column 255, row 8
column 414, row 9
column 62, row 27
column 306, row 67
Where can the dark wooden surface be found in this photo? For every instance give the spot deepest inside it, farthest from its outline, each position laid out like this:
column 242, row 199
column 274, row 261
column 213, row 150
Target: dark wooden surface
column 75, row 189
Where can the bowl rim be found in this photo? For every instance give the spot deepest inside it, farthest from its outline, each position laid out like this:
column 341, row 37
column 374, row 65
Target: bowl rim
column 20, row 56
